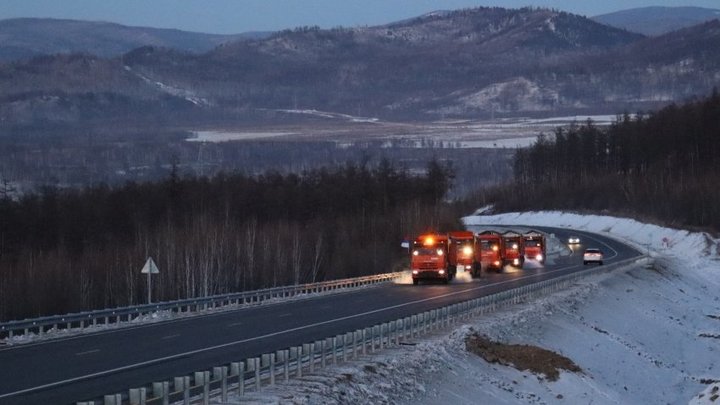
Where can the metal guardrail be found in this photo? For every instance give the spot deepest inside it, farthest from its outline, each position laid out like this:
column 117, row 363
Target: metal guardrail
column 126, row 314
column 254, row 373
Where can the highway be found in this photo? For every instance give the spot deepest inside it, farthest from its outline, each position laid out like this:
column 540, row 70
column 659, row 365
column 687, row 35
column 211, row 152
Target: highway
column 67, row 370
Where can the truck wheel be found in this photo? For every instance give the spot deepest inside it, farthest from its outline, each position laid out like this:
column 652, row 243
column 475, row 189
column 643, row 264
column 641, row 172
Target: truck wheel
column 415, row 281
column 601, row 263
column 446, row 280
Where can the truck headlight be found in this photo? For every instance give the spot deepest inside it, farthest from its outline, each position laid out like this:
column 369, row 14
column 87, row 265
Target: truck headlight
column 467, row 250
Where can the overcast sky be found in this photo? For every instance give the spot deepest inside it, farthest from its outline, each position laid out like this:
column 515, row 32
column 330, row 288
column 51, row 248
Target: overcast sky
column 236, row 16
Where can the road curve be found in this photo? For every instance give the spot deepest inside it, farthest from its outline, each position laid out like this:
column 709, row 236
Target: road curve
column 64, row 371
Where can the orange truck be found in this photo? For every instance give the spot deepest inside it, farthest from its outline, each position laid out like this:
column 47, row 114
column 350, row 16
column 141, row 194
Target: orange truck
column 535, row 246
column 514, row 248
column 461, row 252
column 429, row 258
column 490, row 246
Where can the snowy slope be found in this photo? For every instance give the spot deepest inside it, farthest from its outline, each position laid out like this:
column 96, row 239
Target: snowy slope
column 641, row 336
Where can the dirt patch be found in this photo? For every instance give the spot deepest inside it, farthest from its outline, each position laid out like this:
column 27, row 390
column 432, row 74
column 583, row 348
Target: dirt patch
column 522, row 357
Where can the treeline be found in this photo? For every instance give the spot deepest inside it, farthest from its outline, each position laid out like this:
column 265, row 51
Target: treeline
column 664, row 165
column 70, row 250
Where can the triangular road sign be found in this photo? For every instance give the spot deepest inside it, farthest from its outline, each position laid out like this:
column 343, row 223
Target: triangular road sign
column 150, row 267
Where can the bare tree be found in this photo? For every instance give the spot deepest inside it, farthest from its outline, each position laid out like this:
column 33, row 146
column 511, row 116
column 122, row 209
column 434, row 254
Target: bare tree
column 317, row 257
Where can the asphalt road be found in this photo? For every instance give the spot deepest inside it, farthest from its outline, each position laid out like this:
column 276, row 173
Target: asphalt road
column 64, row 371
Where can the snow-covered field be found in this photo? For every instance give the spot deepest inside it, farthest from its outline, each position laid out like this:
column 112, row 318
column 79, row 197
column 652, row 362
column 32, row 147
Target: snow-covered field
column 347, row 130
column 641, row 336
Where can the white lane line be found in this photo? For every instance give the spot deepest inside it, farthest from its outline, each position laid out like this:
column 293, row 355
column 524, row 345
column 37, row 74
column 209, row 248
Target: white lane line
column 170, row 336
column 235, row 324
column 87, row 352
column 285, row 315
column 282, row 332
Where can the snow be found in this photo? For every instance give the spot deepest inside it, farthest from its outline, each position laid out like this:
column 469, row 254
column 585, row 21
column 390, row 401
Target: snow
column 640, row 335
column 227, row 136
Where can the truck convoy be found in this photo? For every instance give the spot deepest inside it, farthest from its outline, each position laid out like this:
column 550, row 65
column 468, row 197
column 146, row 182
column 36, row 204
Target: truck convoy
column 429, row 258
column 440, row 256
column 535, row 246
column 491, row 246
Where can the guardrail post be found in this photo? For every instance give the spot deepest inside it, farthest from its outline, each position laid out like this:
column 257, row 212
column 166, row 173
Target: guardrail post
column 323, row 351
column 137, row 396
column 157, row 390
column 272, row 368
column 382, row 336
column 206, row 387
column 354, row 344
column 311, row 356
column 286, row 364
column 256, row 368
column 166, row 392
column 364, row 341
column 346, row 339
column 299, row 361
column 221, row 373
column 114, row 399
column 178, row 383
column 199, row 378
column 186, row 390
column 241, row 378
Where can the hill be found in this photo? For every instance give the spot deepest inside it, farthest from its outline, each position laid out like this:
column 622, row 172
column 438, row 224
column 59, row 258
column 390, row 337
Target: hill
column 24, row 38
column 658, row 20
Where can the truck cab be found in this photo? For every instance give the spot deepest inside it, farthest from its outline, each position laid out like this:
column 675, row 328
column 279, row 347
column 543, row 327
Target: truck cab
column 429, row 258
column 535, row 248
column 491, row 248
column 461, row 253
column 514, row 249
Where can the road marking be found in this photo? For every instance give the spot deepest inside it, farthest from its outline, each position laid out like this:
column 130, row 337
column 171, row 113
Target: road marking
column 87, row 352
column 170, row 336
column 235, row 324
column 285, row 315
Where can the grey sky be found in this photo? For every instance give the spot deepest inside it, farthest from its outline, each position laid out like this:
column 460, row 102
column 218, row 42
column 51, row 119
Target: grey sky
column 235, row 16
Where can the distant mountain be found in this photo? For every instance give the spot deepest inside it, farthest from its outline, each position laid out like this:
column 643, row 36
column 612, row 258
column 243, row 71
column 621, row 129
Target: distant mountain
column 28, row 37
column 658, row 20
column 468, row 63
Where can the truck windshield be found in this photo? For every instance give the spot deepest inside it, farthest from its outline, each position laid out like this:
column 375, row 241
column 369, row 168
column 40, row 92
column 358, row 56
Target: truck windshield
column 532, row 243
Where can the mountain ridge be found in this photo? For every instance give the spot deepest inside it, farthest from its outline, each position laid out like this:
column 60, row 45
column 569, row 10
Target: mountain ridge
column 656, row 20
column 24, row 38
column 477, row 63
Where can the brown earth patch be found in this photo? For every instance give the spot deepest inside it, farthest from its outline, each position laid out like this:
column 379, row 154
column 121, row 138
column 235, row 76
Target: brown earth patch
column 522, row 357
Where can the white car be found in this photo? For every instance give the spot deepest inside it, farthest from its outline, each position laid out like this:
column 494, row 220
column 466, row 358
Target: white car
column 573, row 240
column 593, row 255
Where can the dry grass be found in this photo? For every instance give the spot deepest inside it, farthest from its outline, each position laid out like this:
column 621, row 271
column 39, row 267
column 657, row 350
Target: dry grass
column 522, row 357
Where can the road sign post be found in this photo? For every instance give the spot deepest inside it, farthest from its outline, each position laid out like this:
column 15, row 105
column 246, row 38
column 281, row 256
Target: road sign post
column 150, row 268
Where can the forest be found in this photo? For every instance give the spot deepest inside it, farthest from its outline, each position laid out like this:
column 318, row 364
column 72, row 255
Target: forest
column 65, row 250
column 662, row 167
